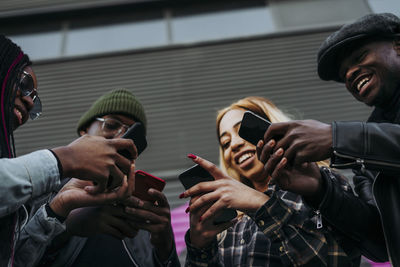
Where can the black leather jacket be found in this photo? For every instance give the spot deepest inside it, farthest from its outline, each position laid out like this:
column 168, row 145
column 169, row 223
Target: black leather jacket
column 373, row 150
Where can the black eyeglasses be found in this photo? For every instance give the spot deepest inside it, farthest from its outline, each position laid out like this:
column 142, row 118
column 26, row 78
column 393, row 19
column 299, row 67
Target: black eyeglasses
column 112, row 126
column 27, row 88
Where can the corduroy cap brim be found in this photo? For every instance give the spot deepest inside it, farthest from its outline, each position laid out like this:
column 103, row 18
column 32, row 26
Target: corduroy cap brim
column 369, row 26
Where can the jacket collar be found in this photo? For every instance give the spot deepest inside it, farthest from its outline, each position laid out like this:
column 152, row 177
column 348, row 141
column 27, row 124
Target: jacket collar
column 390, row 114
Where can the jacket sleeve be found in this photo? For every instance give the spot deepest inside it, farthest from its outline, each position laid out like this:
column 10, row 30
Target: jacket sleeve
column 355, row 217
column 208, row 256
column 35, row 236
column 374, row 146
column 172, row 261
column 25, row 178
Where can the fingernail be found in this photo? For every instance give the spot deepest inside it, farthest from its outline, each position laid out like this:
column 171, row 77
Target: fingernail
column 187, row 209
column 200, row 219
column 191, row 156
column 260, row 144
column 182, row 195
column 271, row 143
column 279, row 152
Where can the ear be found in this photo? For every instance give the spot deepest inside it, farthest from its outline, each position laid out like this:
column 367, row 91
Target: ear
column 396, row 45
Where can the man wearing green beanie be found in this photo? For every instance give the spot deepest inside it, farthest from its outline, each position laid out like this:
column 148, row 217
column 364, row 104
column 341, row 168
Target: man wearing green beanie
column 135, row 233
column 117, row 102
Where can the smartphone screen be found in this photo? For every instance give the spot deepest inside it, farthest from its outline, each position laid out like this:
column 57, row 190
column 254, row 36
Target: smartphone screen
column 253, row 127
column 136, row 134
column 144, row 181
column 197, row 174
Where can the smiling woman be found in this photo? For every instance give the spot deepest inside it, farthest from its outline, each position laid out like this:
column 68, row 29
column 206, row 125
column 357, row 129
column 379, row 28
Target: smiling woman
column 276, row 227
column 234, row 113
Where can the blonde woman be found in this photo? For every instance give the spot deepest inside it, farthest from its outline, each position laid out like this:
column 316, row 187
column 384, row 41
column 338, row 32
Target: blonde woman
column 275, row 227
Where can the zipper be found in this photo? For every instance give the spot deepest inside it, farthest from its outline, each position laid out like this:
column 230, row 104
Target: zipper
column 129, row 254
column 362, row 162
column 319, row 219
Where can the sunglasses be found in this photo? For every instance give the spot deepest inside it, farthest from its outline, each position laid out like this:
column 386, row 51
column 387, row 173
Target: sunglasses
column 27, row 88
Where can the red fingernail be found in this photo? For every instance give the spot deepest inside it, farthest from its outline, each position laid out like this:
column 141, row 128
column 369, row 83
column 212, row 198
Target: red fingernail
column 191, row 156
column 182, row 195
column 187, row 209
column 201, row 218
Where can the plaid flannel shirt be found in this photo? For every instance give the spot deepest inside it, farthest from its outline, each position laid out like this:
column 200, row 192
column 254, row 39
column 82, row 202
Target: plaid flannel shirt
column 283, row 232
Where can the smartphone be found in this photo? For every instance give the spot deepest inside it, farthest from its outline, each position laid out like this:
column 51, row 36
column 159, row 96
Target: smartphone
column 144, row 181
column 253, row 127
column 198, row 174
column 136, row 133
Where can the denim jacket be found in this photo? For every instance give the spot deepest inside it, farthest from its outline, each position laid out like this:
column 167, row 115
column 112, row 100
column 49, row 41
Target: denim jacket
column 23, row 180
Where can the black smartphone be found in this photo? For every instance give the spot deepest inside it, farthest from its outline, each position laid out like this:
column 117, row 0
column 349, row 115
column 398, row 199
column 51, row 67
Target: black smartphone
column 136, row 133
column 253, row 127
column 197, row 174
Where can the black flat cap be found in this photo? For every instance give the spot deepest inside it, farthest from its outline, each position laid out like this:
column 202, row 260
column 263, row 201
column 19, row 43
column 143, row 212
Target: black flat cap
column 372, row 25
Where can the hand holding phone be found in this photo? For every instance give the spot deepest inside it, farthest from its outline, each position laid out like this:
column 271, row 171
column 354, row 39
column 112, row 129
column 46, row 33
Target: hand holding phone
column 253, row 127
column 136, row 134
column 143, row 182
column 197, row 174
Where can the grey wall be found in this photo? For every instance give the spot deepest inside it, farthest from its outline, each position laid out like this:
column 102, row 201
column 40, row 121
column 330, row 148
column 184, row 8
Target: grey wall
column 182, row 88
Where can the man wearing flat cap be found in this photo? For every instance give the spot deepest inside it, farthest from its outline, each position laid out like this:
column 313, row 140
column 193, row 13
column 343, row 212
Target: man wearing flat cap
column 365, row 56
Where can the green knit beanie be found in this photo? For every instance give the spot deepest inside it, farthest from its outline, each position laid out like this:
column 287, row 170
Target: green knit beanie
column 119, row 101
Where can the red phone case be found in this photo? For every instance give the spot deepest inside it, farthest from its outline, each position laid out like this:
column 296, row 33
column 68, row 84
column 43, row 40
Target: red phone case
column 144, row 181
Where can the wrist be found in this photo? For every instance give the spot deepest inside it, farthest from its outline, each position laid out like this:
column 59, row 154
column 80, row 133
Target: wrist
column 331, row 129
column 163, row 249
column 59, row 207
column 52, row 214
column 63, row 154
column 198, row 240
column 316, row 198
column 257, row 201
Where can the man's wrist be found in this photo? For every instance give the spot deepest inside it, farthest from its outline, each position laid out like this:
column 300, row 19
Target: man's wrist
column 64, row 157
column 315, row 199
column 52, row 214
column 164, row 248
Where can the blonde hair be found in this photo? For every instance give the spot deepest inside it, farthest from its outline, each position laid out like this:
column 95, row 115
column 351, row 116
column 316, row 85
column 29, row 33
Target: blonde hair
column 259, row 105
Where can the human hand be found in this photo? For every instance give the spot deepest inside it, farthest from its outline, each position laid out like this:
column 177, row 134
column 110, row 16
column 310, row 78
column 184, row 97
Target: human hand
column 224, row 192
column 96, row 159
column 203, row 232
column 153, row 216
column 209, row 198
column 75, row 194
column 302, row 141
column 107, row 219
column 304, row 179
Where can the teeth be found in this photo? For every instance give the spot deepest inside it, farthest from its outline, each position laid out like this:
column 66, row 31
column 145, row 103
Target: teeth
column 18, row 114
column 362, row 83
column 245, row 157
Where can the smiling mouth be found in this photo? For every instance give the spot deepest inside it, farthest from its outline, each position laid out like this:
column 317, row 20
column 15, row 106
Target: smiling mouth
column 244, row 157
column 19, row 115
column 362, row 83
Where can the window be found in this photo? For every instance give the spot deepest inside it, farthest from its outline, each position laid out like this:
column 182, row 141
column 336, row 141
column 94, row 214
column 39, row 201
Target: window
column 42, row 45
column 220, row 25
column 381, row 6
column 116, row 37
